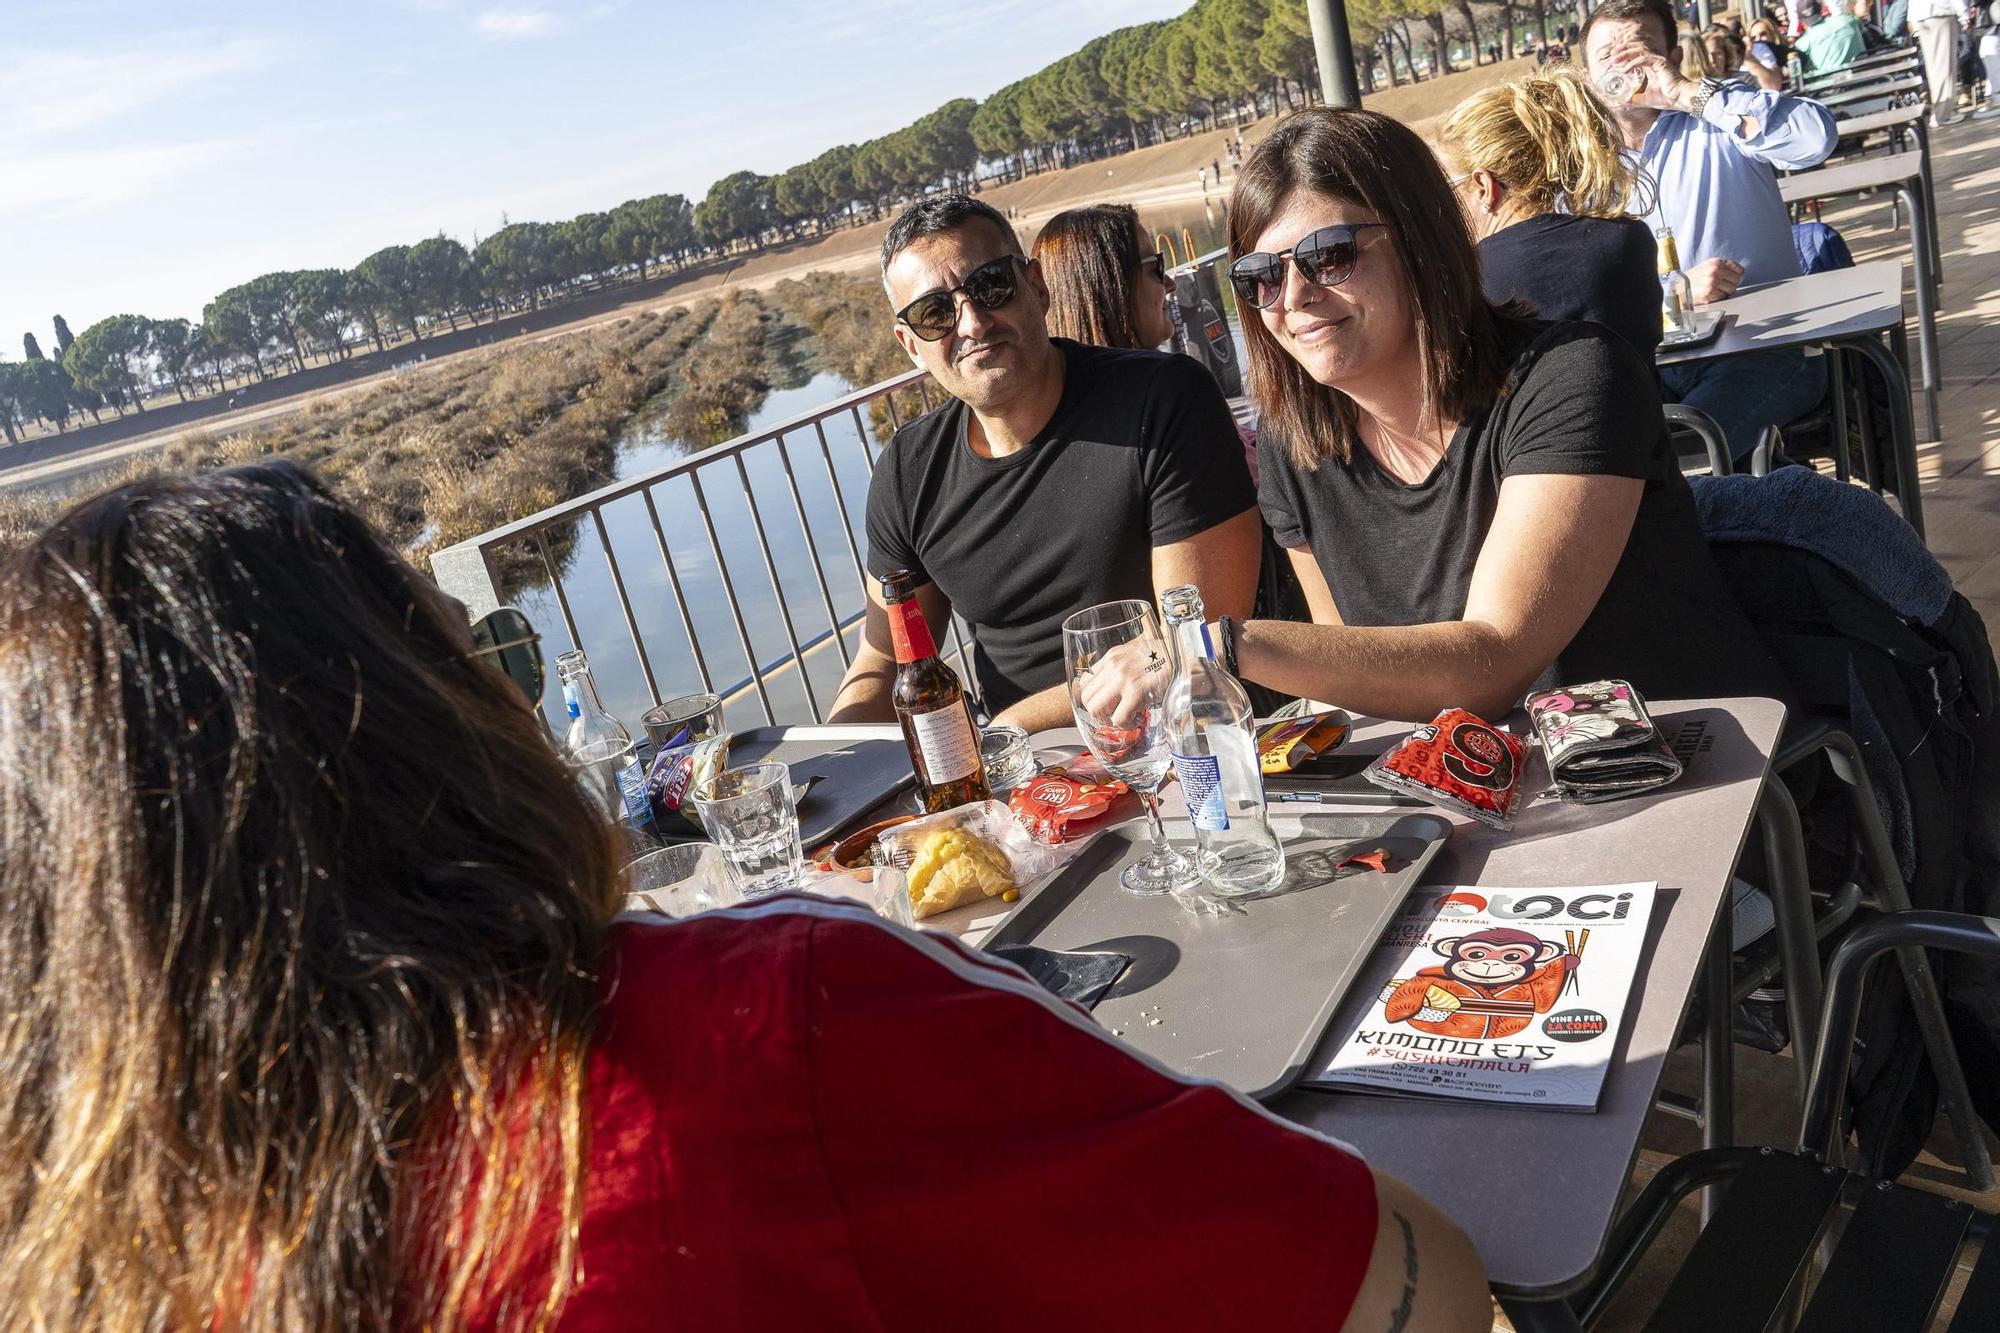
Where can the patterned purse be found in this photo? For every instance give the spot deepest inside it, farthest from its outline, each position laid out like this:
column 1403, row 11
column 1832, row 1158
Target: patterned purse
column 1600, row 742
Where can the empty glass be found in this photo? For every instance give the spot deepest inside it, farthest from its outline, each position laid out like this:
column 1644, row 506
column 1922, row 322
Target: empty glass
column 684, row 721
column 1119, row 668
column 681, row 880
column 751, row 814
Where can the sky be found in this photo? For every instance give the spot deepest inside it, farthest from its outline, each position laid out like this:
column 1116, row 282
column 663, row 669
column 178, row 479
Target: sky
column 153, row 154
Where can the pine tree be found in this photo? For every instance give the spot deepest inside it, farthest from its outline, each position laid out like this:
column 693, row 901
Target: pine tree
column 63, row 336
column 32, row 348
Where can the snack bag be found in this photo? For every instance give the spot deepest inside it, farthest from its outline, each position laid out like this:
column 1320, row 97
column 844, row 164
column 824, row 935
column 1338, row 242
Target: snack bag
column 1056, row 798
column 676, row 771
column 1285, row 744
column 1460, row 763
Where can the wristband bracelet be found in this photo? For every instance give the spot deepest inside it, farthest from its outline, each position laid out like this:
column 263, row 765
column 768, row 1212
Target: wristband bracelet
column 1227, row 626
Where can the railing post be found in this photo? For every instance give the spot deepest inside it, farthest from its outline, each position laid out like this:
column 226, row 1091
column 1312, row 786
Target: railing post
column 464, row 572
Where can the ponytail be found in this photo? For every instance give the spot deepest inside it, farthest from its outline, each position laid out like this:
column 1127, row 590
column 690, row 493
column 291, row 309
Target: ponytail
column 1547, row 139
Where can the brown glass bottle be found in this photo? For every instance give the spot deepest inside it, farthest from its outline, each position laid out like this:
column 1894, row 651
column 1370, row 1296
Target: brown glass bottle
column 930, row 704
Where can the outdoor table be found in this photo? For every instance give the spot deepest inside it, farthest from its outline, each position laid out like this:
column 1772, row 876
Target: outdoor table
column 1895, row 60
column 1537, row 1191
column 1904, row 173
column 1493, row 1168
column 1847, row 308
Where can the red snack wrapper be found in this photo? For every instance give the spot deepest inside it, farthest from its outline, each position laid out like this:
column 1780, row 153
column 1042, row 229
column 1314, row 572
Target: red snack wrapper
column 1055, row 798
column 1460, row 763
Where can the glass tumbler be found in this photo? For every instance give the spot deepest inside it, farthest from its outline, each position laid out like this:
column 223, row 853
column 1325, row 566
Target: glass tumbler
column 751, row 813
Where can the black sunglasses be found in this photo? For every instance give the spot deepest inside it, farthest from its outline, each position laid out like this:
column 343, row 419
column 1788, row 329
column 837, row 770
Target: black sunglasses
column 1326, row 258
column 935, row 314
column 510, row 640
column 1156, row 264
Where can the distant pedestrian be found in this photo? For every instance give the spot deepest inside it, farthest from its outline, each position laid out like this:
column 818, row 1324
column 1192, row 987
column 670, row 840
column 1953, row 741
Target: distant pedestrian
column 1215, row 165
column 1201, row 174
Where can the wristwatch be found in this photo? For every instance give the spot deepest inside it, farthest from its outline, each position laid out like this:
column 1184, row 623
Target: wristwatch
column 1709, row 88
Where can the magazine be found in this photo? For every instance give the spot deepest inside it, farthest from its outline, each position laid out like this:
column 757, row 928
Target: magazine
column 1498, row 995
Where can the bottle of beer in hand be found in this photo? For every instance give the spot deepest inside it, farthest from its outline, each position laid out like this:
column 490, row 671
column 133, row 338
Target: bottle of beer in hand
column 930, row 704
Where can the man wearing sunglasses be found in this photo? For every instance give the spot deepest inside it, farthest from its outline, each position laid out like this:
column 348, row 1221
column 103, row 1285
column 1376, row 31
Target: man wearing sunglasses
column 1058, row 477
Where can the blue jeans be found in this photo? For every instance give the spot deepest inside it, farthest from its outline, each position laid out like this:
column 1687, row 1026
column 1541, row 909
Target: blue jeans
column 1748, row 391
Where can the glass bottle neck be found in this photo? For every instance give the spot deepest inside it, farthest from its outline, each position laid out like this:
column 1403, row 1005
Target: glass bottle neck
column 580, row 694
column 910, row 633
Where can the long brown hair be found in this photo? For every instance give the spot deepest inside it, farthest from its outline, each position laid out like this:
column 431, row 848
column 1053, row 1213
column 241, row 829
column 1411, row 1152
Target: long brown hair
column 302, row 920
column 1549, row 141
column 1090, row 261
column 1366, row 159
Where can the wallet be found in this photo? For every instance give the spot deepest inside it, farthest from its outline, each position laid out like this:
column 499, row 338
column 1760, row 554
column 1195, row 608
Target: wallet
column 1600, row 742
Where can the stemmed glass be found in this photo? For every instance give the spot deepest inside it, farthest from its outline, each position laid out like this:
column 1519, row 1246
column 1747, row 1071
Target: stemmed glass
column 1124, row 720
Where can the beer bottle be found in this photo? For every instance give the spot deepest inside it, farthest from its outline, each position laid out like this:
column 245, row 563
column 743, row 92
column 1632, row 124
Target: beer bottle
column 1676, row 293
column 931, row 706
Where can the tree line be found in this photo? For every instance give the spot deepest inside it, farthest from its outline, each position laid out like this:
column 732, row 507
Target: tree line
column 1221, row 59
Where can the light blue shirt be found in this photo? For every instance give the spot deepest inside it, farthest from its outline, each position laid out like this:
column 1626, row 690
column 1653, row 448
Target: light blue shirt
column 1719, row 192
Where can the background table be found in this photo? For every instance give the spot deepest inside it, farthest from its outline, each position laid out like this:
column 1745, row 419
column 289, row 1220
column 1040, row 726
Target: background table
column 1904, row 173
column 1848, row 309
column 1538, row 1190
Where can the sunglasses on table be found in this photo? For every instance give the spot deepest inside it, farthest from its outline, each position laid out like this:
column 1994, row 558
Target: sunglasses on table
column 935, row 314
column 1325, row 257
column 507, row 639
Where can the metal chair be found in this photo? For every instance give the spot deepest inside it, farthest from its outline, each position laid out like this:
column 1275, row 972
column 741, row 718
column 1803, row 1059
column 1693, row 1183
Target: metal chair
column 1698, row 440
column 1893, row 1248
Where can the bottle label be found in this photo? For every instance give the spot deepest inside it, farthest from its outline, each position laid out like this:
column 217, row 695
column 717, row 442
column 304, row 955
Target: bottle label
column 908, row 632
column 569, row 699
column 1200, row 776
column 945, row 739
column 632, row 790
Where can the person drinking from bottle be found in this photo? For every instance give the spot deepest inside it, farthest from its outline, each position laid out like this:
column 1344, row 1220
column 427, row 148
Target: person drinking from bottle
column 1710, row 148
column 1476, row 503
column 1057, row 476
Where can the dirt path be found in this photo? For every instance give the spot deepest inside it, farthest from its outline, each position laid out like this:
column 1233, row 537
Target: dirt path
column 1160, row 180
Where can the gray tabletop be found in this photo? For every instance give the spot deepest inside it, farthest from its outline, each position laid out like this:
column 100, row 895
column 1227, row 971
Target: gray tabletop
column 1811, row 310
column 1852, row 176
column 1537, row 1190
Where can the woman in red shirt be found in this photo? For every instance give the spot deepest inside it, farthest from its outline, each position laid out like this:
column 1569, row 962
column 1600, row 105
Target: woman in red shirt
column 317, row 1016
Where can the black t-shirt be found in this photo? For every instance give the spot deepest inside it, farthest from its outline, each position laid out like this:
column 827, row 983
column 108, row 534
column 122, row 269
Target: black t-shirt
column 1570, row 268
column 1142, row 451
column 1577, row 402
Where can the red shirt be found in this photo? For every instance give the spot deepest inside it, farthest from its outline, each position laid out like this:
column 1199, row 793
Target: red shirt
column 805, row 1118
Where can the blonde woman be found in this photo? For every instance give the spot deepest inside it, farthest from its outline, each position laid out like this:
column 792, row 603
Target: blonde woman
column 1765, row 60
column 1539, row 172
column 1692, row 58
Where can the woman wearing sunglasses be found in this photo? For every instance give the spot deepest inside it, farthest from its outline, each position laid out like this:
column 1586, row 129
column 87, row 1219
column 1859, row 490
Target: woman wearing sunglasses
column 1107, row 286
column 1474, row 501
column 318, row 1017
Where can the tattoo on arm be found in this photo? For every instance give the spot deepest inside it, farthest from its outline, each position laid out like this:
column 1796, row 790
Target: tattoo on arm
column 1401, row 1318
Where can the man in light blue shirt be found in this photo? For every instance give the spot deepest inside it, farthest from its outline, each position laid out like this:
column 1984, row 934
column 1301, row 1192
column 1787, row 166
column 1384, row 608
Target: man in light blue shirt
column 1709, row 148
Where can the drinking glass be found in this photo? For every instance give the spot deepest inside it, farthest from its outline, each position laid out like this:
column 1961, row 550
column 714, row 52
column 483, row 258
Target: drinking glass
column 681, row 880
column 751, row 814
column 1125, row 637
column 688, row 720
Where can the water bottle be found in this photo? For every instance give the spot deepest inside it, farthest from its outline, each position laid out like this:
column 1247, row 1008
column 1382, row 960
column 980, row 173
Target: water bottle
column 599, row 748
column 1214, row 740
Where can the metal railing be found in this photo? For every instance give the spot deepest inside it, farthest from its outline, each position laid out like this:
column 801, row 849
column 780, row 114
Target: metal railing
column 470, row 572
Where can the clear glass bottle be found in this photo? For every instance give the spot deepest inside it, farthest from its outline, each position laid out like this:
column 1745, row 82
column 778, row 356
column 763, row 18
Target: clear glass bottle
column 1214, row 740
column 599, row 748
column 1676, row 293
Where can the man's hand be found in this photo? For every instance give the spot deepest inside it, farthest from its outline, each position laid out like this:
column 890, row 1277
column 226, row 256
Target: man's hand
column 1658, row 83
column 1120, row 686
column 1714, row 280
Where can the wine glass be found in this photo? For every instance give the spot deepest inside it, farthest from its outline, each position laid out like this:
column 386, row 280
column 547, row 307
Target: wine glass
column 1133, row 664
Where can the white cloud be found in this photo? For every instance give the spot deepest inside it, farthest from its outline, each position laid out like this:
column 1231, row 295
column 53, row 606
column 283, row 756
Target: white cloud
column 514, row 25
column 59, row 92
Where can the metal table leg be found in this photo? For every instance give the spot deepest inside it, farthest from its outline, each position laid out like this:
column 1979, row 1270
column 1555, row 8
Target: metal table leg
column 1911, row 193
column 1921, row 130
column 1718, row 1047
column 1902, row 429
column 1791, row 897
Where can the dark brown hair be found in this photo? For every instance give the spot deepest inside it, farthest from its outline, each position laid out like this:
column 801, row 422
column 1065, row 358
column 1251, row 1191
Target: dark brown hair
column 1634, row 11
column 1366, row 159
column 303, row 916
column 1090, row 261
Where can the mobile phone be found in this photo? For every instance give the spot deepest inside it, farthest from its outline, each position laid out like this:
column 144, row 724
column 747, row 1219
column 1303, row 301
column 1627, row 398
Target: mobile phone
column 1333, row 779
